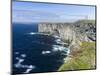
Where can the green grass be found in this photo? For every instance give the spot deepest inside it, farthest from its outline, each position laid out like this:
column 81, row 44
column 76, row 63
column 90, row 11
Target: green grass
column 83, row 58
column 81, row 22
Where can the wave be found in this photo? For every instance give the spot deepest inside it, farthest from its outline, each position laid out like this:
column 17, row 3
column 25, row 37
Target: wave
column 20, row 65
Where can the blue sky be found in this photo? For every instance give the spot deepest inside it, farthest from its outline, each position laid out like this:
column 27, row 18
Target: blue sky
column 28, row 12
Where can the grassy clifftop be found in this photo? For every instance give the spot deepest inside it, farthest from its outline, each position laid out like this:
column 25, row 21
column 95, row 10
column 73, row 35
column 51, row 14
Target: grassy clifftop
column 92, row 22
column 83, row 58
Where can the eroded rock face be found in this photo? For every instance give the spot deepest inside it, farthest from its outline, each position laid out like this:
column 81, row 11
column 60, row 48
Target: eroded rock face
column 87, row 29
column 63, row 30
column 84, row 30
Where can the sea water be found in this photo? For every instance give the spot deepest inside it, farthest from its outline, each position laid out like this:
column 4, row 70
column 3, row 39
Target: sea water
column 34, row 52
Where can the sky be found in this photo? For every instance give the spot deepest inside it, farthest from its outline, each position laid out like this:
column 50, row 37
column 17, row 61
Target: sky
column 29, row 12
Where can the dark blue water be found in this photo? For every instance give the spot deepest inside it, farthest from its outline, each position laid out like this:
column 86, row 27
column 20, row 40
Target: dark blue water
column 34, row 52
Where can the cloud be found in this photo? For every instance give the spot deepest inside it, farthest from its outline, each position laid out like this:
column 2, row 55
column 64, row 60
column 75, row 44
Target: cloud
column 26, row 12
column 32, row 16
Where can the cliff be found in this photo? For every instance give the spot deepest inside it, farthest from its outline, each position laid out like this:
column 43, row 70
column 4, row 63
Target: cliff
column 81, row 37
column 63, row 30
column 83, row 30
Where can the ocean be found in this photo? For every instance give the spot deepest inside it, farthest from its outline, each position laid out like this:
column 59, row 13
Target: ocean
column 34, row 52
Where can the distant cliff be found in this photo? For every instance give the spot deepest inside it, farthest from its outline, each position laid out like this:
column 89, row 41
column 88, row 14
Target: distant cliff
column 83, row 30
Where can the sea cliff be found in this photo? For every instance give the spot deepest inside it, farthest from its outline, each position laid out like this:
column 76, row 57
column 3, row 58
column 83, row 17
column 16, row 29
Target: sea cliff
column 80, row 37
column 82, row 30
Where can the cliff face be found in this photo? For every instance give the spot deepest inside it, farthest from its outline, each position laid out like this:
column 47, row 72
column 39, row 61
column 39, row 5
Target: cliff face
column 63, row 30
column 74, row 32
